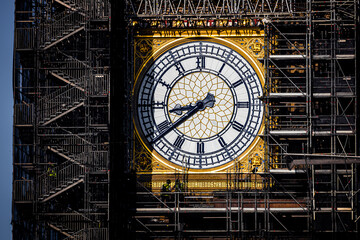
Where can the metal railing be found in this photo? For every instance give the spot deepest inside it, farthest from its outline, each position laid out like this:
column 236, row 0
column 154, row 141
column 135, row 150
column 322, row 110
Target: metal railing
column 98, row 160
column 75, row 4
column 51, row 32
column 280, row 200
column 322, row 84
column 70, row 223
column 99, row 9
column 81, row 151
column 59, row 102
column 75, row 70
column 342, row 47
column 60, row 177
column 90, row 234
column 99, row 84
column 71, row 145
column 231, row 207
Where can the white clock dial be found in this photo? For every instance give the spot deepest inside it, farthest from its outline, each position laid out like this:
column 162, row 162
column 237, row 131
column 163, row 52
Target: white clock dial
column 198, row 106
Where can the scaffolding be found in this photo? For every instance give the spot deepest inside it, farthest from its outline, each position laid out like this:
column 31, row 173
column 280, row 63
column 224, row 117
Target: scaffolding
column 61, row 140
column 312, row 109
column 310, row 97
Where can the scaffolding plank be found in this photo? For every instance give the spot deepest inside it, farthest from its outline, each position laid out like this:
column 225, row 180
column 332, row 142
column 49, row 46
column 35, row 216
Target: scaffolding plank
column 322, row 57
column 345, row 56
column 287, row 95
column 289, row 132
column 287, row 57
column 286, row 171
column 337, row 132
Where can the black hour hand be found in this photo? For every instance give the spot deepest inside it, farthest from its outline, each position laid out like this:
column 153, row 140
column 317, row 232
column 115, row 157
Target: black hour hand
column 178, row 109
column 200, row 105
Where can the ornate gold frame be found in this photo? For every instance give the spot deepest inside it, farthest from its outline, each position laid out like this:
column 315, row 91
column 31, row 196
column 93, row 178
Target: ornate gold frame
column 250, row 47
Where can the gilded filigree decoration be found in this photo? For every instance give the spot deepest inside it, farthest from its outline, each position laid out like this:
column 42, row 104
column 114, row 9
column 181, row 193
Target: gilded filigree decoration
column 254, row 46
column 159, row 167
column 145, row 49
column 142, row 158
column 144, row 161
column 257, row 47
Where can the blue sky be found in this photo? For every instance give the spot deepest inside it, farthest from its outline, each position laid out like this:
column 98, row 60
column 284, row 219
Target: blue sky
column 6, row 104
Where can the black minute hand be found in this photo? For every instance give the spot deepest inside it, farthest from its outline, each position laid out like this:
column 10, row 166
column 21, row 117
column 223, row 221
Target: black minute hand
column 199, row 106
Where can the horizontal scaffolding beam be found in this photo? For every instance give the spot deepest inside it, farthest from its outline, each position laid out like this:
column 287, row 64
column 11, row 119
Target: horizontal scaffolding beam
column 318, row 95
column 294, row 133
column 218, row 210
column 325, row 161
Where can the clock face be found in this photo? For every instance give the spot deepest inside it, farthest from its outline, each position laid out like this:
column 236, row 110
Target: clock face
column 197, row 105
